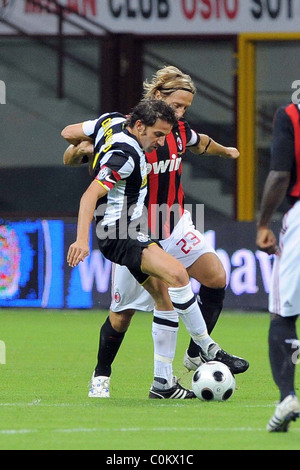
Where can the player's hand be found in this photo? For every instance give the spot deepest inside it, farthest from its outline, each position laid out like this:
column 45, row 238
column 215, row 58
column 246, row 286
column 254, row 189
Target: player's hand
column 77, row 252
column 266, row 241
column 231, row 153
column 86, row 148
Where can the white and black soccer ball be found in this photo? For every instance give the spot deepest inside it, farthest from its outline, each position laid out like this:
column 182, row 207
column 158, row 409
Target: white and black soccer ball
column 213, row 381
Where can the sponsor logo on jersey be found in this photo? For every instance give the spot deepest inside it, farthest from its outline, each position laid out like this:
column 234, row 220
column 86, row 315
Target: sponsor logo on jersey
column 164, row 166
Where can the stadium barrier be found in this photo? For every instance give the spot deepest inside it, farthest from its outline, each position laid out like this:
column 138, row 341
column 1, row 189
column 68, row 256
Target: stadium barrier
column 34, row 272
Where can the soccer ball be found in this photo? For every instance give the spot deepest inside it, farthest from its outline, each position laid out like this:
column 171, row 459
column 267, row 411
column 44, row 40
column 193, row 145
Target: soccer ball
column 213, row 381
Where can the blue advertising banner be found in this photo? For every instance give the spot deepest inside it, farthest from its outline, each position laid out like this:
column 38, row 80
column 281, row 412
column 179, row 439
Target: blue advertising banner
column 34, row 272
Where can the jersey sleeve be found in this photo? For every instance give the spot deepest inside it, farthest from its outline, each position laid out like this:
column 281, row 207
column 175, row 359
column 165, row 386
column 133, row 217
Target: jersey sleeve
column 282, row 147
column 114, row 167
column 192, row 137
column 90, row 128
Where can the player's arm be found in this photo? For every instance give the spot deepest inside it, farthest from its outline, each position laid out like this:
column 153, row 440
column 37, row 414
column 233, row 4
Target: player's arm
column 274, row 193
column 79, row 250
column 76, row 155
column 278, row 180
column 209, row 146
column 74, row 134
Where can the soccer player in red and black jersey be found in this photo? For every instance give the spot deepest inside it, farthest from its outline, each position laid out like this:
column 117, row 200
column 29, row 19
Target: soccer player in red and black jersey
column 171, row 224
column 284, row 301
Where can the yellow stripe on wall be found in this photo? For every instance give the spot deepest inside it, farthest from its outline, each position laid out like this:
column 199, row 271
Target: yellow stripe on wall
column 246, row 172
column 246, row 130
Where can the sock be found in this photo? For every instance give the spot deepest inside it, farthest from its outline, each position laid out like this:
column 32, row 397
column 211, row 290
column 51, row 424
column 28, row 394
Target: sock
column 164, row 333
column 282, row 338
column 211, row 304
column 109, row 344
column 185, row 304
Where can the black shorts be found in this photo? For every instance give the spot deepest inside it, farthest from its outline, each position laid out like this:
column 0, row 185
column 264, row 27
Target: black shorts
column 127, row 253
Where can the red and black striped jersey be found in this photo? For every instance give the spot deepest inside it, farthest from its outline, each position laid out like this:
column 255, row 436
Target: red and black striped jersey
column 285, row 148
column 165, row 197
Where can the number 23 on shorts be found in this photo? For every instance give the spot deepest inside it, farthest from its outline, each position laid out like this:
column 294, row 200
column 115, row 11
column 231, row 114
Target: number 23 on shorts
column 188, row 242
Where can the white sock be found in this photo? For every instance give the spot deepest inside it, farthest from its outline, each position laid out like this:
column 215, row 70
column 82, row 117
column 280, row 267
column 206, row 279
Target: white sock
column 186, row 305
column 164, row 333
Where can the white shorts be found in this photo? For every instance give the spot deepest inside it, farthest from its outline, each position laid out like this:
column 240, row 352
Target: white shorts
column 185, row 243
column 284, row 298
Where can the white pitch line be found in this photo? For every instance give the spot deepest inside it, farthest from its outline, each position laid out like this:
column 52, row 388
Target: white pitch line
column 17, row 431
column 137, row 429
column 85, row 405
column 46, row 405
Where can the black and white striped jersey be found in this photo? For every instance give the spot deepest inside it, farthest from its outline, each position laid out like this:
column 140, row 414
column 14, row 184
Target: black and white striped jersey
column 120, row 166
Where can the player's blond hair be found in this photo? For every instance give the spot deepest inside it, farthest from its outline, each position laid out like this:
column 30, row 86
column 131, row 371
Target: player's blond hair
column 168, row 80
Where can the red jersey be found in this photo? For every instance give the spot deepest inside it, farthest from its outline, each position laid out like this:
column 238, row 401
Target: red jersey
column 285, row 149
column 165, row 197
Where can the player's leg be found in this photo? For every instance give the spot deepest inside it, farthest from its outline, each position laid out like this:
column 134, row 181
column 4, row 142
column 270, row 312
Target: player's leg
column 189, row 246
column 127, row 292
column 166, row 268
column 127, row 296
column 164, row 333
column 163, row 267
column 283, row 345
column 112, row 334
column 284, row 305
column 209, row 271
column 284, row 350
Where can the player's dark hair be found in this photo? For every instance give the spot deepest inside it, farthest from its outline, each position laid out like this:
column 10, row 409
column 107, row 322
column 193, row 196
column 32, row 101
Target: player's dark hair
column 148, row 111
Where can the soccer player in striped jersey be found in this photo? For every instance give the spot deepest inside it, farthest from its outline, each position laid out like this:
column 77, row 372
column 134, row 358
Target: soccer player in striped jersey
column 284, row 300
column 165, row 191
column 120, row 173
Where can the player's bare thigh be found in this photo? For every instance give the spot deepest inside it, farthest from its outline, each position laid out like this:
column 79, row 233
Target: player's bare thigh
column 157, row 263
column 209, row 271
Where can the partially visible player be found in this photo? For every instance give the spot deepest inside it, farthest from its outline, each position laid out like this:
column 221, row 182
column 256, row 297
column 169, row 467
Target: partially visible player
column 284, row 300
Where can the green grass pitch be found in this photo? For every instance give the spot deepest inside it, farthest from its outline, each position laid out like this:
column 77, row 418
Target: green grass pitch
column 50, row 356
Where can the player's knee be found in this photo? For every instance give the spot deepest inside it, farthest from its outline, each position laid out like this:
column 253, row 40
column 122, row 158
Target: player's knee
column 178, row 276
column 121, row 321
column 218, row 280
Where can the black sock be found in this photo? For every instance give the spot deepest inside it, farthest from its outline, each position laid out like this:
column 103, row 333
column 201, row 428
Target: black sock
column 283, row 352
column 109, row 344
column 211, row 304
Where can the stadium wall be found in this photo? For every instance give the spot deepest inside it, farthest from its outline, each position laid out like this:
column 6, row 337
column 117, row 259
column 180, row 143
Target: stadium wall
column 34, row 272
